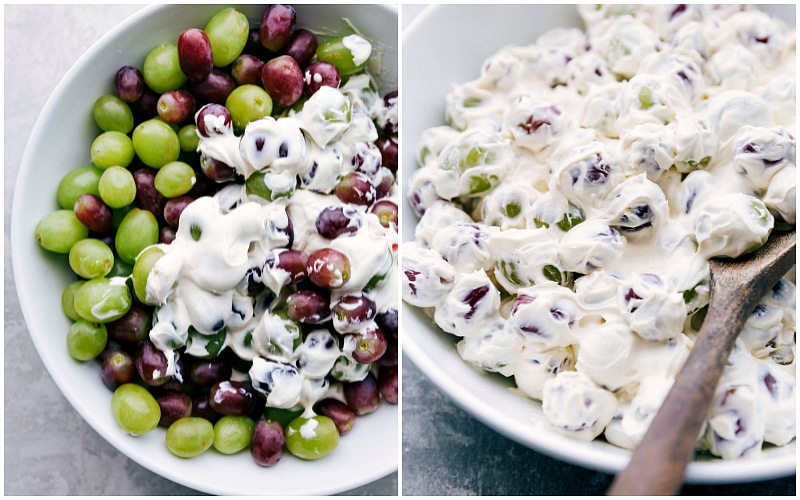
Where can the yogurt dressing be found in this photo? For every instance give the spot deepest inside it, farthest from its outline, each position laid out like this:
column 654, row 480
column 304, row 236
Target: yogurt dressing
column 570, row 205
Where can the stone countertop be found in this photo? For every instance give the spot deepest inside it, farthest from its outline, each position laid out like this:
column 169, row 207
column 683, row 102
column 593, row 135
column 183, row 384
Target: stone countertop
column 448, row 452
column 49, row 448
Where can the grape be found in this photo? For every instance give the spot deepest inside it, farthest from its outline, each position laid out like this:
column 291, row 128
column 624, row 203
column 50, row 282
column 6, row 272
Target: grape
column 292, row 262
column 151, row 363
column 387, row 383
column 362, row 396
column 247, row 103
column 257, row 185
column 179, row 381
column 246, row 69
column 166, row 235
column 227, row 31
column 161, row 69
column 93, row 213
column 86, row 339
column 355, row 188
column 77, row 182
column 156, row 143
column 302, row 47
column 174, row 179
column 188, row 138
column 207, row 372
column 308, row 306
column 91, row 258
column 147, row 197
column 386, row 210
column 174, row 208
column 174, row 406
column 231, row 397
column 131, row 328
column 101, row 300
column 341, row 414
column 283, row 80
column 266, row 445
column 201, row 407
column 350, row 313
column 129, row 84
column 213, row 119
column 319, row 74
column 111, row 113
column 68, row 300
column 118, row 369
column 214, row 89
column 189, row 437
column 59, row 230
column 390, row 103
column 216, row 170
column 112, row 149
column 233, row 434
column 141, row 270
column 350, row 53
column 194, row 54
column 135, row 409
column 328, row 268
column 369, row 345
column 137, row 231
column 175, row 106
column 311, row 438
column 388, row 148
column 117, row 187
column 277, row 26
column 335, row 221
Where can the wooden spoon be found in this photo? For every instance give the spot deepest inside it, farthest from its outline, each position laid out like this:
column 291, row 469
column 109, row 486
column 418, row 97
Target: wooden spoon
column 658, row 465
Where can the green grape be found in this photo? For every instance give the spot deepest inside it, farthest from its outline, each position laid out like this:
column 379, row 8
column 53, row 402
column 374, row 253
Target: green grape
column 572, row 218
column 189, row 436
column 68, row 300
column 59, row 230
column 350, row 54
column 174, row 179
column 137, row 231
column 311, row 438
column 117, row 214
column 135, row 409
column 247, row 103
column 86, row 340
column 161, row 69
column 227, row 31
column 117, row 187
column 141, row 270
column 91, row 258
column 188, row 138
column 111, row 113
column 77, row 182
column 101, row 300
column 112, row 149
column 256, row 185
column 232, row 433
column 156, row 143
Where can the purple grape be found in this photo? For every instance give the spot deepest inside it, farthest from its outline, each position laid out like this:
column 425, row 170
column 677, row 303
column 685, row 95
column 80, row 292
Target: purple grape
column 145, row 107
column 388, row 148
column 129, row 83
column 277, row 26
column 208, row 120
column 320, row 74
column 350, row 313
column 147, row 196
column 386, row 210
column 180, row 380
column 151, row 363
column 387, row 383
column 216, row 170
column 246, row 69
column 173, row 209
column 231, row 397
column 390, row 102
column 328, row 268
column 293, row 262
column 387, row 321
column 366, row 159
column 362, row 397
column 118, row 368
column 175, row 106
column 355, row 188
column 335, row 221
column 207, row 372
column 216, row 88
column 370, row 345
column 93, row 213
column 201, row 407
column 166, row 235
column 194, row 54
column 308, row 306
column 174, row 406
column 282, row 78
column 383, row 182
column 341, row 414
column 302, row 46
column 133, row 327
column 267, row 443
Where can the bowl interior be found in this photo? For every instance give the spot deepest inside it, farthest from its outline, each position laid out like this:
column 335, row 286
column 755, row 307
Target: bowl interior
column 444, row 45
column 60, row 142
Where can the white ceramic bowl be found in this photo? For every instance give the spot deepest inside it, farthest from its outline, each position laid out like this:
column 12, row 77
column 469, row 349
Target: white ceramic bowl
column 60, row 141
column 447, row 44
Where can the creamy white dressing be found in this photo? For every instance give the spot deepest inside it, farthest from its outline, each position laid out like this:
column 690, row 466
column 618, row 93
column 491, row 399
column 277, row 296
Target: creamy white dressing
column 569, row 208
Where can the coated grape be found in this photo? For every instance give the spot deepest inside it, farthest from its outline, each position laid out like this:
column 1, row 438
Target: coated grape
column 311, row 438
column 100, row 300
column 328, row 268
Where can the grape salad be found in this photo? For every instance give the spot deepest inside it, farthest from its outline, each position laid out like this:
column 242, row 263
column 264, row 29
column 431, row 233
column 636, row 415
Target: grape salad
column 571, row 200
column 234, row 239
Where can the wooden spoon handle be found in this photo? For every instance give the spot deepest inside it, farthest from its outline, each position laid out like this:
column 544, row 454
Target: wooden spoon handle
column 658, row 464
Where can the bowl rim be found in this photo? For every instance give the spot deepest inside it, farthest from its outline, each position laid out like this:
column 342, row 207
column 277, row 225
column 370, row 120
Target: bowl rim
column 19, row 231
column 714, row 471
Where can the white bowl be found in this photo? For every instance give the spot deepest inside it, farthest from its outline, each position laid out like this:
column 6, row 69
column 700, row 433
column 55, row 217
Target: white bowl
column 444, row 45
column 60, row 141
